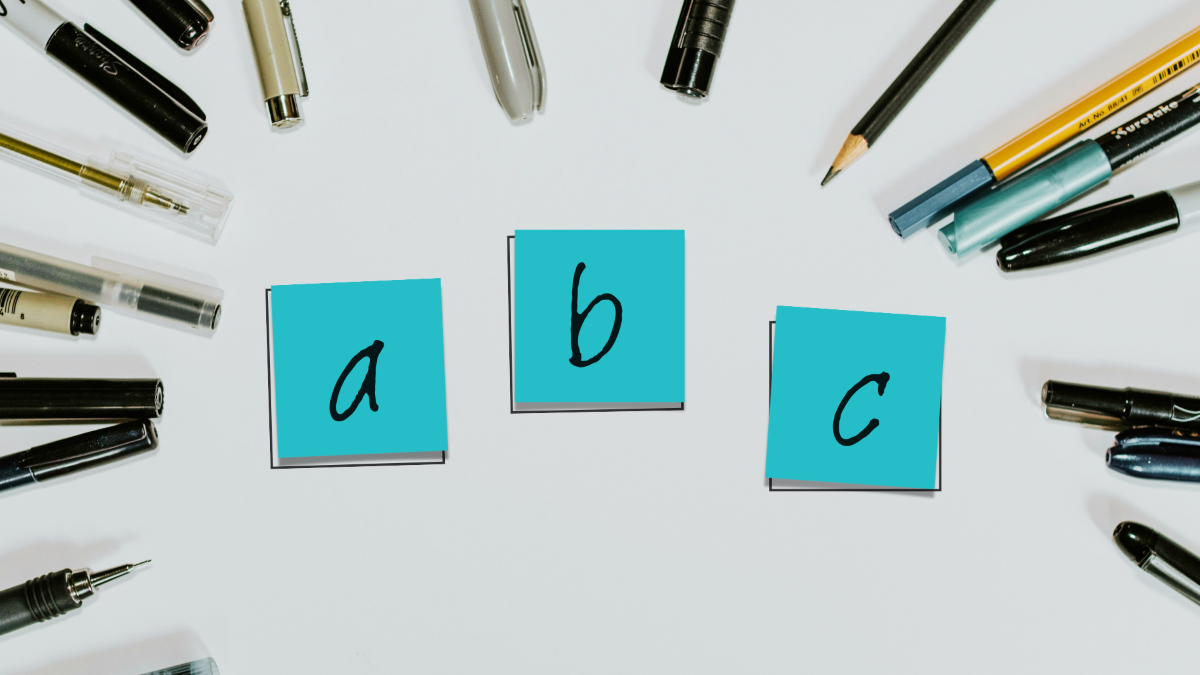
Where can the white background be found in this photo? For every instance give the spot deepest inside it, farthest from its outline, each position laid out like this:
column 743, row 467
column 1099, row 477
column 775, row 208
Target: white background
column 616, row 542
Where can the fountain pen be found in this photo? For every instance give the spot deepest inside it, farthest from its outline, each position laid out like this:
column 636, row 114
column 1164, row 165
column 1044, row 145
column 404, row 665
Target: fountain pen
column 52, row 595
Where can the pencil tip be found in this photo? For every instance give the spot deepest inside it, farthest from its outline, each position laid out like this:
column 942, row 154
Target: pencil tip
column 829, row 176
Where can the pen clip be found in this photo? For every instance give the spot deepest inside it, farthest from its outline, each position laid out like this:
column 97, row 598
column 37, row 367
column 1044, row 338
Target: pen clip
column 533, row 54
column 286, row 8
column 146, row 71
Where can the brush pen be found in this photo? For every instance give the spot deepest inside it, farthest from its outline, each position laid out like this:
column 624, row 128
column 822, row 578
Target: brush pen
column 1120, row 408
column 52, row 595
column 49, row 312
column 37, row 398
column 1157, row 454
column 1099, row 228
column 185, row 22
column 77, row 453
column 108, row 67
column 1165, row 560
column 1056, row 181
column 945, row 197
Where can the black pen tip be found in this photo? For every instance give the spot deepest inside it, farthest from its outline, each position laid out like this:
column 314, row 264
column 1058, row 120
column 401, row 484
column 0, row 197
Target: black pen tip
column 829, row 176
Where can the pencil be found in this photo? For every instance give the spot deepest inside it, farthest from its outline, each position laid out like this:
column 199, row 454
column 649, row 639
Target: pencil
column 944, row 198
column 907, row 84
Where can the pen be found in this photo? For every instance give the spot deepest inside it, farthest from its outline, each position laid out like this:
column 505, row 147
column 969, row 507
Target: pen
column 1120, row 408
column 104, row 64
column 35, row 398
column 696, row 46
column 52, row 595
column 111, row 283
column 513, row 58
column 943, row 198
column 203, row 667
column 171, row 197
column 184, row 21
column 1055, row 182
column 1099, row 228
column 49, row 312
column 1167, row 561
column 1159, row 454
column 280, row 65
column 77, row 453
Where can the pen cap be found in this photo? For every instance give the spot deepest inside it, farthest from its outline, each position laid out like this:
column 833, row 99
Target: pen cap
column 203, row 667
column 28, row 398
column 164, row 296
column 1187, row 203
column 184, row 203
column 278, row 55
column 184, row 21
column 513, row 58
column 696, row 46
column 88, row 451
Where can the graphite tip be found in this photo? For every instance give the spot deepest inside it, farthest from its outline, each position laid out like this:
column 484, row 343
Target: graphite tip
column 829, row 176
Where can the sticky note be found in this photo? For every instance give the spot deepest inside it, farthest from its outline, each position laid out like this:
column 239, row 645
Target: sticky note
column 598, row 319
column 357, row 369
column 856, row 398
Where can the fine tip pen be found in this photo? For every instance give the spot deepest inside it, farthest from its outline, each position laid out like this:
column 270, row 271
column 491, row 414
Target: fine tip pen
column 184, row 203
column 185, row 22
column 513, row 58
column 1119, row 409
column 68, row 398
column 114, row 284
column 696, row 46
column 52, row 595
column 49, row 312
column 280, row 64
column 77, row 453
column 1165, row 560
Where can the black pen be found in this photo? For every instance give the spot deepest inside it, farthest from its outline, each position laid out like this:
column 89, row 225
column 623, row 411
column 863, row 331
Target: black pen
column 184, row 21
column 133, row 85
column 1169, row 562
column 1120, row 408
column 52, row 595
column 78, row 453
column 37, row 398
column 1157, row 454
column 1099, row 228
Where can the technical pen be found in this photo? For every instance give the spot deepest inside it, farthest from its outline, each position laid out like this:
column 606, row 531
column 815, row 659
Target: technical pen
column 1099, row 228
column 78, row 453
column 186, row 22
column 52, row 595
column 104, row 64
column 1158, row 454
column 1167, row 561
column 280, row 65
column 1120, row 408
column 50, row 312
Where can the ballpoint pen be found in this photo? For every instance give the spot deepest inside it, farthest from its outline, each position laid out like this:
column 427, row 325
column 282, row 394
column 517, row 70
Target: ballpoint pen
column 104, row 64
column 184, row 21
column 1158, row 454
column 280, row 65
column 50, row 312
column 696, row 46
column 181, row 202
column 1120, row 408
column 1165, row 560
column 111, row 283
column 35, row 398
column 78, row 453
column 52, row 595
column 514, row 60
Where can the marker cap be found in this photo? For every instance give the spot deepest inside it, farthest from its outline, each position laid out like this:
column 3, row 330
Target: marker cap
column 940, row 200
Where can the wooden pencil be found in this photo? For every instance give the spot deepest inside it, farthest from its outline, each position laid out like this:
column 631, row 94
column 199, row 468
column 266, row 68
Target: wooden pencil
column 906, row 85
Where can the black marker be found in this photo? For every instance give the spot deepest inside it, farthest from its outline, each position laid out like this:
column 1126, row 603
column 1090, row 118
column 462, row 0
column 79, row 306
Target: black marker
column 1169, row 562
column 1120, row 408
column 1157, row 454
column 133, row 85
column 77, row 453
column 35, row 398
column 184, row 21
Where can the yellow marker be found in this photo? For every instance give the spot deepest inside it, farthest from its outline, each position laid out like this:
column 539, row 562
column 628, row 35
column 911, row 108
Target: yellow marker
column 1011, row 157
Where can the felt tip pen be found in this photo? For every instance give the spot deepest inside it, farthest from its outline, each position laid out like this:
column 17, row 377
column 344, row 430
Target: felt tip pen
column 1165, row 560
column 52, row 398
column 1157, row 454
column 942, row 199
column 105, row 65
column 50, row 312
column 1099, row 228
column 280, row 65
column 52, row 595
column 77, row 453
column 185, row 22
column 1063, row 178
column 1120, row 408
column 111, row 283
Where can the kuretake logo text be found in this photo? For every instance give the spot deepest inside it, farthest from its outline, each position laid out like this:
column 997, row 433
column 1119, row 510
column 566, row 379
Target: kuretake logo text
column 1145, row 119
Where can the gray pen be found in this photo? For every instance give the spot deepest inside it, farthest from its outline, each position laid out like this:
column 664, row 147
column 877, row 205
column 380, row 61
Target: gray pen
column 513, row 59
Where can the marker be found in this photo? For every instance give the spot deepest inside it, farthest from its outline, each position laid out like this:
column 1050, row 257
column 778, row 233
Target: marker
column 1120, row 408
column 280, row 65
column 696, row 46
column 186, row 22
column 77, row 453
column 1063, row 178
column 41, row 399
column 1099, row 228
column 1157, row 454
column 942, row 199
column 104, row 64
column 49, row 312
column 1167, row 561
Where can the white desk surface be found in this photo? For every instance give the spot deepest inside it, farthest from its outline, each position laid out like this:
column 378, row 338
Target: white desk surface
column 602, row 543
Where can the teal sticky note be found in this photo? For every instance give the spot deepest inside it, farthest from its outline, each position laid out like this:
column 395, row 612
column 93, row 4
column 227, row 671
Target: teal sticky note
column 820, row 356
column 317, row 330
column 559, row 346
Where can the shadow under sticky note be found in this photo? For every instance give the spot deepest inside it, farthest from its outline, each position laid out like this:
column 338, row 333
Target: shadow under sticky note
column 596, row 320
column 356, row 374
column 855, row 401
